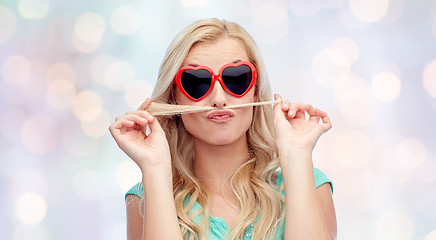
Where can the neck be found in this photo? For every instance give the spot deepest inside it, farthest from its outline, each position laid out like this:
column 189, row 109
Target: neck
column 213, row 165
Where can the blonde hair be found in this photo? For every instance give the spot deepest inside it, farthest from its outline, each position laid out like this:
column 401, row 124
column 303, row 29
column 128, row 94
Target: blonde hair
column 260, row 202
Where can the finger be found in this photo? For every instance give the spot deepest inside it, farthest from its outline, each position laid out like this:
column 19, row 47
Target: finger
column 285, row 106
column 143, row 114
column 298, row 111
column 121, row 123
column 134, row 118
column 155, row 126
column 312, row 112
column 121, row 126
column 326, row 123
column 145, row 104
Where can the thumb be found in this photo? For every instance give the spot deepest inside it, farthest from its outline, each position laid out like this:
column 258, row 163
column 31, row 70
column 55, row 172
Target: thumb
column 155, row 126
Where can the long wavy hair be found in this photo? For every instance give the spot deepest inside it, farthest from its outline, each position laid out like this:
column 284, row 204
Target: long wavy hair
column 259, row 200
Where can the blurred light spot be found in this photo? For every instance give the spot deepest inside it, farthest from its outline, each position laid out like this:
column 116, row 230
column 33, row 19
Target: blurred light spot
column 136, row 93
column 62, row 71
column 386, row 87
column 27, row 180
column 98, row 67
column 352, row 154
column 369, row 10
column 87, row 184
column 331, row 68
column 118, row 75
column 40, row 134
column 87, row 105
column 98, row 126
column 7, row 23
column 394, row 223
column 348, row 47
column 75, row 142
column 85, row 47
column 194, row 3
column 31, row 208
column 355, row 102
column 271, row 22
column 34, row 232
column 33, row 8
column 128, row 174
column 89, row 27
column 125, row 20
column 88, row 31
column 304, row 8
column 60, row 94
column 15, row 70
column 431, row 235
column 411, row 153
column 429, row 78
column 11, row 120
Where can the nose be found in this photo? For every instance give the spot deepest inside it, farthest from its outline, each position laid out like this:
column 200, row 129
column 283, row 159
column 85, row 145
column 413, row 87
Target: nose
column 218, row 96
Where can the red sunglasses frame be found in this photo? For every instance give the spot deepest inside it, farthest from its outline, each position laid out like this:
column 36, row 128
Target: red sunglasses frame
column 218, row 77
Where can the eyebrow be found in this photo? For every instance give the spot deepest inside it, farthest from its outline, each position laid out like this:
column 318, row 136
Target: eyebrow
column 196, row 65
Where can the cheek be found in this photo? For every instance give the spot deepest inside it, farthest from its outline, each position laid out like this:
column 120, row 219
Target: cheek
column 191, row 123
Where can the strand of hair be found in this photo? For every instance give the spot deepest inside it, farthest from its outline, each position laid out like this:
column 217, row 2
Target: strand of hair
column 164, row 109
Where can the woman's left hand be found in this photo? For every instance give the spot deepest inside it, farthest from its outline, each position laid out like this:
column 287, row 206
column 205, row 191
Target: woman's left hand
column 295, row 133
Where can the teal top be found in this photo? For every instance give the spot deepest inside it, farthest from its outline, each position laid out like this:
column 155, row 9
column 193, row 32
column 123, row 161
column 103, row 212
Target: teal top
column 218, row 227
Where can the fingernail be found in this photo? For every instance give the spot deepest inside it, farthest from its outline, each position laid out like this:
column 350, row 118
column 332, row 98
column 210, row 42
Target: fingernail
column 291, row 112
column 285, row 105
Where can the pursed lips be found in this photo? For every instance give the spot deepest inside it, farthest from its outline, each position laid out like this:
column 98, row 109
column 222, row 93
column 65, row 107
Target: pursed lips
column 220, row 115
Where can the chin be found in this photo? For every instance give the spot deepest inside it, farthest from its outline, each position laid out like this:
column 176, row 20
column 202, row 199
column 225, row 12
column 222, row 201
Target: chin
column 220, row 138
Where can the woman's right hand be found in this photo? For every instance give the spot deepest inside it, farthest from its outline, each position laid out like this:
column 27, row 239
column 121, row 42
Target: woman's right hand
column 146, row 150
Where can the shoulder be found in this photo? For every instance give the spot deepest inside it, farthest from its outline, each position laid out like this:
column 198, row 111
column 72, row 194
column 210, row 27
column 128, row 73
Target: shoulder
column 136, row 190
column 321, row 178
column 134, row 217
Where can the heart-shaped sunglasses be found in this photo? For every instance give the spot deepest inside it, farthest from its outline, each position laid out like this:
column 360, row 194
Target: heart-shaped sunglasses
column 236, row 78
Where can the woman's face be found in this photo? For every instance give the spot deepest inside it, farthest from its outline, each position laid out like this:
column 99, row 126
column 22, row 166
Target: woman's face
column 217, row 127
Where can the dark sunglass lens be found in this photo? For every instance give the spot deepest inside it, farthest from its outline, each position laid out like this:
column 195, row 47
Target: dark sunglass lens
column 237, row 79
column 196, row 82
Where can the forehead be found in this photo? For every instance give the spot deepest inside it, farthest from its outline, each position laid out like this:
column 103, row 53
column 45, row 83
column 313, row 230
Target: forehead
column 216, row 53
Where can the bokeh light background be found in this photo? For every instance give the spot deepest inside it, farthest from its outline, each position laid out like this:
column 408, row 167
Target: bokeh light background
column 68, row 68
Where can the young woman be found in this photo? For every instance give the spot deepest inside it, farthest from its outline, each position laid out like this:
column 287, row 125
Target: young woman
column 244, row 173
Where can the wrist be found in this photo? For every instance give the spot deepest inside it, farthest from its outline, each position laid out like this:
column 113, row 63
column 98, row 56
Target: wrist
column 157, row 172
column 295, row 156
column 295, row 153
